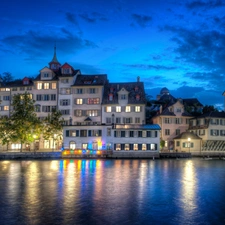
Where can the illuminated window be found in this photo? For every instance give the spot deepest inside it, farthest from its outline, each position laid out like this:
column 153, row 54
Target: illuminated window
column 39, row 86
column 84, row 146
column 46, row 85
column 137, row 108
column 118, row 108
column 93, row 101
column 108, row 109
column 16, row 146
column 118, row 147
column 53, row 85
column 72, row 145
column 135, row 147
column 144, row 147
column 79, row 101
column 127, row 109
column 92, row 112
column 127, row 147
column 6, row 108
column 78, row 112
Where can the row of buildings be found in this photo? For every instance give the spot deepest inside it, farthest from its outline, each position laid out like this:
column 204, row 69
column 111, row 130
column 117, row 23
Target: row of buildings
column 100, row 115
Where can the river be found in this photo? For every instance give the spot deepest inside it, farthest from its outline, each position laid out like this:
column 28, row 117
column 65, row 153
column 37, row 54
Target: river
column 96, row 191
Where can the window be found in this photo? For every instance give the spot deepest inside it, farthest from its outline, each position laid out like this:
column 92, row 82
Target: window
column 65, row 91
column 108, row 109
column 139, row 133
column 16, row 146
column 177, row 120
column 79, row 101
column 6, row 98
column 65, row 102
column 46, row 85
column 137, row 119
column 108, row 120
column 177, row 131
column 144, row 147
column 45, row 97
column 92, row 90
column 118, row 147
column 46, row 109
column 79, row 91
column 72, row 145
column 135, row 147
column 222, row 133
column 137, row 108
column 128, row 120
column 78, row 112
column 108, row 131
column 22, row 88
column 53, row 97
column 45, row 75
column 6, row 108
column 92, row 112
column 178, row 109
column 123, row 133
column 148, row 133
column 64, row 80
column 38, row 97
column 53, row 85
column 14, row 89
column 127, row 147
column 123, row 97
column 131, row 133
column 153, row 146
column 29, row 88
column 93, row 101
column 39, row 86
column 167, row 131
column 84, row 146
column 118, row 108
column 83, row 133
column 167, row 120
column 65, row 112
column 177, row 143
column 118, row 120
column 214, row 132
column 127, row 109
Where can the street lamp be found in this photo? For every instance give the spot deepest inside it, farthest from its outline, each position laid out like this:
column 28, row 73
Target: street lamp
column 189, row 144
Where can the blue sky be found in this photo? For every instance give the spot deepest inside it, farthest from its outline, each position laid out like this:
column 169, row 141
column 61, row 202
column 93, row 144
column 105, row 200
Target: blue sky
column 168, row 43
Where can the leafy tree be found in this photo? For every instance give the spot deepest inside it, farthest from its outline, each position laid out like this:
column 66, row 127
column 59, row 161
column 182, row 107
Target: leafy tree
column 209, row 108
column 23, row 119
column 6, row 131
column 6, row 77
column 53, row 126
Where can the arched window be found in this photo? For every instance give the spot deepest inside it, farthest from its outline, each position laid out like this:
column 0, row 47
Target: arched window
column 72, row 145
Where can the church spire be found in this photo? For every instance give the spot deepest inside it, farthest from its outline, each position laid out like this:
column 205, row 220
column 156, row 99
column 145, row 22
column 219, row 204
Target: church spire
column 54, row 64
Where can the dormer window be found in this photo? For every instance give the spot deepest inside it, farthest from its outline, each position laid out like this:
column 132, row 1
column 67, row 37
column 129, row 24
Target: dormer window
column 123, row 97
column 110, row 97
column 111, row 89
column 25, row 82
column 66, row 71
column 46, row 75
column 137, row 97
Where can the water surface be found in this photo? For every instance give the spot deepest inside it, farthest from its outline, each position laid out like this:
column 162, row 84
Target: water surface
column 187, row 191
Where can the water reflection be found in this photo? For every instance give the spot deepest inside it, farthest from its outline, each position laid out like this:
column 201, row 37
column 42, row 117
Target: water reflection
column 97, row 191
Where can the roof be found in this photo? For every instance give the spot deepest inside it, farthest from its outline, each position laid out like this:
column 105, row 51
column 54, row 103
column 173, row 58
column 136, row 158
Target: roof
column 186, row 135
column 212, row 115
column 133, row 88
column 90, row 80
column 191, row 102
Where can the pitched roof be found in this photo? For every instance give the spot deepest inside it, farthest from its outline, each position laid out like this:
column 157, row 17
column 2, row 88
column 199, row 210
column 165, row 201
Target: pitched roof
column 90, row 80
column 212, row 115
column 186, row 135
column 192, row 102
column 135, row 89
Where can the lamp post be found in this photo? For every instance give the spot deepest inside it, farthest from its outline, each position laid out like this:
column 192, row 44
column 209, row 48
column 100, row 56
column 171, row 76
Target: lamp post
column 189, row 144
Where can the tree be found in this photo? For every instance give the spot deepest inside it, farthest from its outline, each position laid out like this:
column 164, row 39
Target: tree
column 53, row 126
column 23, row 119
column 209, row 108
column 7, row 132
column 6, row 77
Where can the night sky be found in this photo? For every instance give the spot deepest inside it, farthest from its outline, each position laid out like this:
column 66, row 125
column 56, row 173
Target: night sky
column 168, row 43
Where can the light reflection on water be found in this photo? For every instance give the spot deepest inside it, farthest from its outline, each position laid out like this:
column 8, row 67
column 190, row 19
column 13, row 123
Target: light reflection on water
column 112, row 192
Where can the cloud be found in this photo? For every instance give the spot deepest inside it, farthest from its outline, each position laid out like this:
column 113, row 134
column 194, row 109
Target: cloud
column 141, row 20
column 206, row 4
column 93, row 17
column 71, row 18
column 149, row 67
column 35, row 44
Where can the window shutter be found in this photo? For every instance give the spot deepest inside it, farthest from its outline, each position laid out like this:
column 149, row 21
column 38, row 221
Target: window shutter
column 122, row 108
column 100, row 133
column 139, row 146
column 77, row 133
column 131, row 147
column 83, row 112
column 141, row 108
column 156, row 134
column 132, row 108
column 75, row 101
column 156, row 147
column 67, row 133
column 115, row 134
column 89, row 133
column 183, row 145
column 105, row 109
